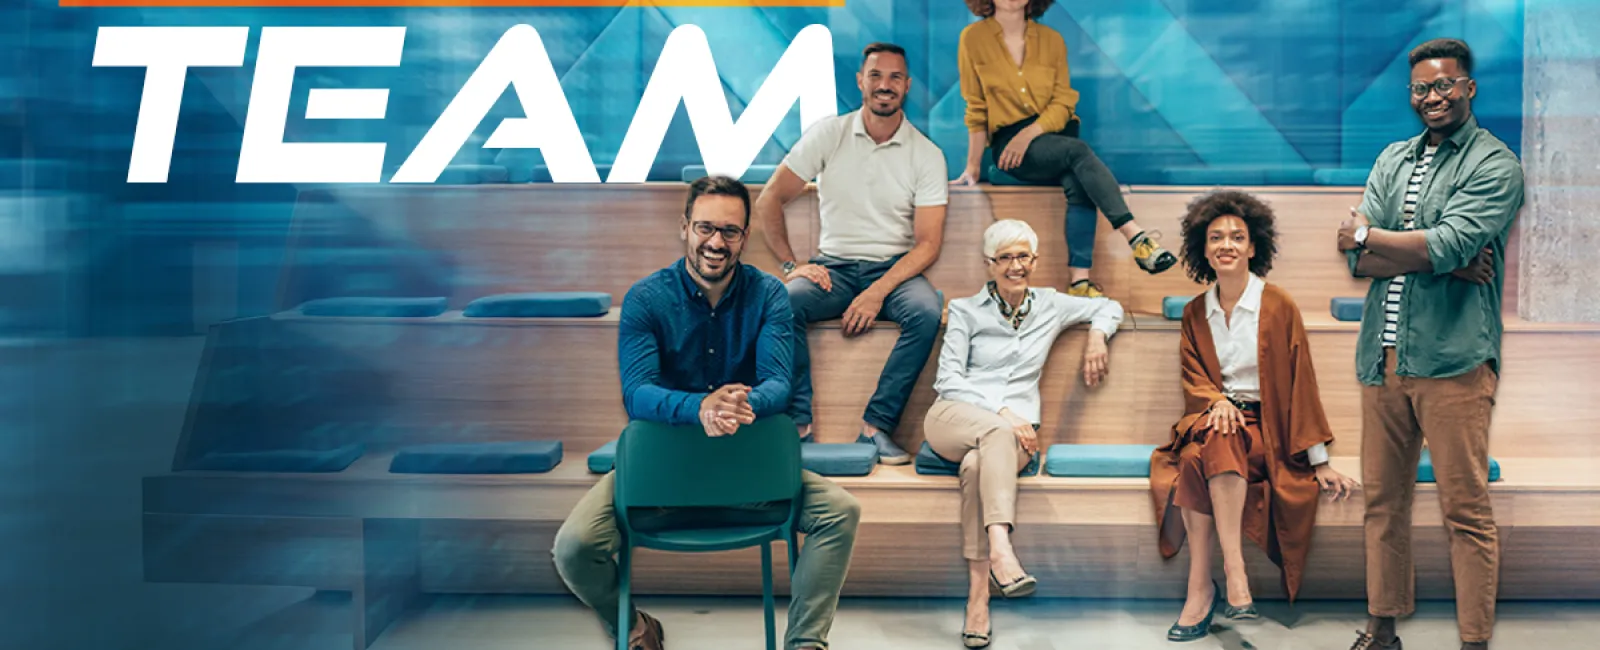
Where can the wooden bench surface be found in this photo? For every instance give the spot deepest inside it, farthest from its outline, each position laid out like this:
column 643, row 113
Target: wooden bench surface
column 889, row 494
column 546, row 237
column 453, row 379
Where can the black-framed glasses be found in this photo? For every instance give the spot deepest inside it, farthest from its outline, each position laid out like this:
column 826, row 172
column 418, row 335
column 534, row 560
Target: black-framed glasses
column 1007, row 260
column 1442, row 86
column 730, row 234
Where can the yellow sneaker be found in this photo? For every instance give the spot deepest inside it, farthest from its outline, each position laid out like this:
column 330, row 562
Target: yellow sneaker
column 1085, row 289
column 1150, row 255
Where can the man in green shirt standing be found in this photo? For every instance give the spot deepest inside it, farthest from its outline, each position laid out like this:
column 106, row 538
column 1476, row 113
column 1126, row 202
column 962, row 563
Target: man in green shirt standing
column 1431, row 233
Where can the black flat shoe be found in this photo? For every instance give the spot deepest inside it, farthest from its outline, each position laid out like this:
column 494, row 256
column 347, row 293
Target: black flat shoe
column 1020, row 588
column 1186, row 633
column 1246, row 613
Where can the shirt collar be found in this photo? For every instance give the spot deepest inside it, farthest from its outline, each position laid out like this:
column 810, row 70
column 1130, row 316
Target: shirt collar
column 1250, row 301
column 859, row 126
column 693, row 291
column 985, row 299
column 1457, row 140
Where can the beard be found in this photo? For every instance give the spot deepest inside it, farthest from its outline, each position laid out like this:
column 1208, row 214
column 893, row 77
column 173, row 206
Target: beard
column 889, row 112
column 714, row 270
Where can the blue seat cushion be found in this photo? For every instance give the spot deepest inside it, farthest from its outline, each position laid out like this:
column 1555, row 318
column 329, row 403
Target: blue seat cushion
column 1346, row 309
column 1342, row 176
column 1425, row 469
column 281, row 460
column 473, row 175
column 522, row 457
column 1099, row 461
column 1172, row 306
column 998, row 176
column 556, row 304
column 375, row 306
column 752, row 174
column 935, row 465
column 838, row 459
column 604, row 459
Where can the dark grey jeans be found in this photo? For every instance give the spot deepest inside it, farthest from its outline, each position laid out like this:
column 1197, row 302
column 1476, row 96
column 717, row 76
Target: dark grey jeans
column 914, row 305
column 1057, row 158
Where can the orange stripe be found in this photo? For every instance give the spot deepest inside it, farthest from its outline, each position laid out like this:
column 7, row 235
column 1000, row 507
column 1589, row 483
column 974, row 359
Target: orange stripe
column 450, row 3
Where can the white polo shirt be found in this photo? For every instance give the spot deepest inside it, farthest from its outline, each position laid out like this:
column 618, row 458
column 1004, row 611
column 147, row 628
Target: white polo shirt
column 868, row 191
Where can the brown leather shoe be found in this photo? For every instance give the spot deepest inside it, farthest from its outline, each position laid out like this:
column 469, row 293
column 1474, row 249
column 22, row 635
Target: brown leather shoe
column 648, row 636
column 1365, row 641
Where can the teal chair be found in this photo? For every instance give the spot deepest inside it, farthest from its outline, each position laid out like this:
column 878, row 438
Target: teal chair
column 715, row 480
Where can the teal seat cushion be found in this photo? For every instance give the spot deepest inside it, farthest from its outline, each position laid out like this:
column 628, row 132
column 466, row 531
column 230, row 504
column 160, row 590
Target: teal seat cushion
column 555, row 304
column 1099, row 461
column 376, row 307
column 838, row 459
column 998, row 176
column 935, row 465
column 1355, row 177
column 1172, row 306
column 521, row 457
column 1347, row 309
column 752, row 174
column 604, row 459
column 281, row 460
column 473, row 175
column 1425, row 469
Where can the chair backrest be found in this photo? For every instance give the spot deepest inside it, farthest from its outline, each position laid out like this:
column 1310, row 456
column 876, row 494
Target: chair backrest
column 666, row 466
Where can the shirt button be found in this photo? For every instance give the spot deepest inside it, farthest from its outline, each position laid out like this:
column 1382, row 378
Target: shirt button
column 1024, row 90
column 711, row 351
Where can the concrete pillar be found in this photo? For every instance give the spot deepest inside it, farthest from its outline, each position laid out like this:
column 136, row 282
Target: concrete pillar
column 1558, row 274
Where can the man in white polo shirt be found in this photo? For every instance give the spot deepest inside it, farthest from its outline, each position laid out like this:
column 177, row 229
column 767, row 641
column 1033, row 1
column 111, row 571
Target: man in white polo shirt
column 882, row 187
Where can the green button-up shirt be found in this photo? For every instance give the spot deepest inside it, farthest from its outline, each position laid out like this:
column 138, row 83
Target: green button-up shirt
column 1469, row 199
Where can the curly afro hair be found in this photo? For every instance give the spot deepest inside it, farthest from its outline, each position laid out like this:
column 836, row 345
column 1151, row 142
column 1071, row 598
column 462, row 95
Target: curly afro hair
column 985, row 8
column 1257, row 217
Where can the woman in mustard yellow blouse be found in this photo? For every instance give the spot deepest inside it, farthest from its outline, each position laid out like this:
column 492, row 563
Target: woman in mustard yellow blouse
column 1021, row 105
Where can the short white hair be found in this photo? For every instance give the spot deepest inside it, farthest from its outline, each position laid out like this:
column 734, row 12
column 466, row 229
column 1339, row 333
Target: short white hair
column 1007, row 232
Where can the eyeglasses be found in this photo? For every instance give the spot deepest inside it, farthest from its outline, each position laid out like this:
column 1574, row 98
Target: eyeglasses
column 730, row 234
column 1007, row 260
column 1442, row 86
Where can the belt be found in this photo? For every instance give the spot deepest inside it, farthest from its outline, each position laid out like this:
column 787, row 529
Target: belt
column 1248, row 407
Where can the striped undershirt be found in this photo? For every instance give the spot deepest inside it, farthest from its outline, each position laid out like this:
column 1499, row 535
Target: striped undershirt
column 1391, row 304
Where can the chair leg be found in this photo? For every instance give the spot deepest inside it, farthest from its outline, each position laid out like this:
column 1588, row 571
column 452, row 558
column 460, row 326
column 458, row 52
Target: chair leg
column 794, row 555
column 768, row 606
column 624, row 595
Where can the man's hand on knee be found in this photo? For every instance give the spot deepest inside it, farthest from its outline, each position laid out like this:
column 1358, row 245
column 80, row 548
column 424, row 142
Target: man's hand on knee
column 863, row 311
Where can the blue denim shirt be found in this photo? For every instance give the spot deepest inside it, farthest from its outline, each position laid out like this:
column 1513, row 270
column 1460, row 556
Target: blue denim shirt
column 674, row 348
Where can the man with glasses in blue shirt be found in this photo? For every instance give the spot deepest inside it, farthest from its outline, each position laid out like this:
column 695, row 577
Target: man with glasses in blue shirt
column 1431, row 233
column 707, row 341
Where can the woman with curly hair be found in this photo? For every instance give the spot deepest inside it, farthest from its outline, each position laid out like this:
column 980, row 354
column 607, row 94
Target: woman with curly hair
column 1253, row 436
column 1022, row 108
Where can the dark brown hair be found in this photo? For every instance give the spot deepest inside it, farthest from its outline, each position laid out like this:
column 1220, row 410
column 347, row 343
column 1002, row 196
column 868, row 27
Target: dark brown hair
column 1443, row 48
column 875, row 48
column 985, row 8
column 1258, row 220
column 717, row 186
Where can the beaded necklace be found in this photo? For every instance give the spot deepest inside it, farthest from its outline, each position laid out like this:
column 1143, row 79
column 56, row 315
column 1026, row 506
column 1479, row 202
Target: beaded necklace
column 1014, row 315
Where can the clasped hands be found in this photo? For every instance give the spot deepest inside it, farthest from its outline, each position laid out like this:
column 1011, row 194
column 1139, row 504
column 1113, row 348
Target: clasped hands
column 726, row 409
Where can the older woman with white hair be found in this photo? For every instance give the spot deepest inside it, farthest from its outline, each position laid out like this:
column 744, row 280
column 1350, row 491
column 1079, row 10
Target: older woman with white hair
column 987, row 414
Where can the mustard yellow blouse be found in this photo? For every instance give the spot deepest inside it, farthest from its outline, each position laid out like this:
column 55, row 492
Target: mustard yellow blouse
column 999, row 94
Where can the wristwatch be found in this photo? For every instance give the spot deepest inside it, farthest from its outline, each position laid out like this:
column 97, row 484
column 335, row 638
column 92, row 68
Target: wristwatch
column 1361, row 236
column 788, row 267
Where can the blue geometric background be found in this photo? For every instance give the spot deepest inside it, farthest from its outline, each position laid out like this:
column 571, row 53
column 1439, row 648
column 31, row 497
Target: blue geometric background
column 1239, row 92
